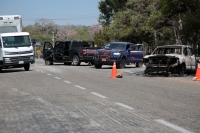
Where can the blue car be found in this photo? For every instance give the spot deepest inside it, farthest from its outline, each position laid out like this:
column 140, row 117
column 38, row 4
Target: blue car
column 121, row 53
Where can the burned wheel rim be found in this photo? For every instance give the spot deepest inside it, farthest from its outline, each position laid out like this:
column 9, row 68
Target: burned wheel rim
column 76, row 60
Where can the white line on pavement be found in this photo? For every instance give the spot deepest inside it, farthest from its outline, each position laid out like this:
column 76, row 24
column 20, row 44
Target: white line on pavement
column 49, row 74
column 125, row 106
column 14, row 89
column 182, row 130
column 57, row 78
column 67, row 82
column 99, row 95
column 80, row 87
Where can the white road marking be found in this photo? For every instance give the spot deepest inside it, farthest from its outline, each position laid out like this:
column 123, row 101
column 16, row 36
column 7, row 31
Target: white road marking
column 80, row 87
column 49, row 74
column 14, row 89
column 57, row 78
column 97, row 94
column 180, row 129
column 67, row 82
column 125, row 106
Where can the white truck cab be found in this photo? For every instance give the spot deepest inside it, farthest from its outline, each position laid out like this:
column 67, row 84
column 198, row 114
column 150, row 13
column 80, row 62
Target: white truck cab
column 16, row 48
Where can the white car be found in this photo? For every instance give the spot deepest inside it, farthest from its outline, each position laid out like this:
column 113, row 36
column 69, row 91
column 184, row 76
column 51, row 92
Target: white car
column 170, row 59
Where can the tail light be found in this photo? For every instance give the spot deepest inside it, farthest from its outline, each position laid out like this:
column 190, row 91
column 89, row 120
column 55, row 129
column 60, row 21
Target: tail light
column 84, row 51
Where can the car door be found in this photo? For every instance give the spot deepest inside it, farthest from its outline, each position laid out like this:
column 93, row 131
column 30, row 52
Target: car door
column 47, row 50
column 192, row 58
column 58, row 51
column 66, row 51
column 188, row 58
column 135, row 53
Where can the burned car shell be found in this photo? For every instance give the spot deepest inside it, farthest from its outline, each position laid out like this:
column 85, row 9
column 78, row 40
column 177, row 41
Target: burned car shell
column 170, row 59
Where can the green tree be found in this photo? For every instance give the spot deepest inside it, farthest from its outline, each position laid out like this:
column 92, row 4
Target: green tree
column 108, row 8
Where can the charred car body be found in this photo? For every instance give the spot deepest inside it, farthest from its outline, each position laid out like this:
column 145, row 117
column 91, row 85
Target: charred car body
column 170, row 59
column 120, row 52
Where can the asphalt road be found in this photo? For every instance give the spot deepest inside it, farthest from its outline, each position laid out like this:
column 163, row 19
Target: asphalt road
column 82, row 99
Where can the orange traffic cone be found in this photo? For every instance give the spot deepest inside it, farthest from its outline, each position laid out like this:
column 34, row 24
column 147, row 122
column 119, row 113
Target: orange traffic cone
column 114, row 71
column 197, row 76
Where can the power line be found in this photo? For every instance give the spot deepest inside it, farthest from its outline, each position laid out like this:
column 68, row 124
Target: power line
column 88, row 16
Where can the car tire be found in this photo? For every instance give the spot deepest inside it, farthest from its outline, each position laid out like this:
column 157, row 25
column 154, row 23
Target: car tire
column 139, row 64
column 48, row 62
column 97, row 66
column 122, row 64
column 181, row 70
column 92, row 62
column 0, row 69
column 75, row 60
column 27, row 67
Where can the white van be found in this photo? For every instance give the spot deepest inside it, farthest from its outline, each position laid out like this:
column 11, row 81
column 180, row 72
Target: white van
column 16, row 48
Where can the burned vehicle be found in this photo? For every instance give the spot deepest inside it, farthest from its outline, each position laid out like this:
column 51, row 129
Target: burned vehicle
column 170, row 59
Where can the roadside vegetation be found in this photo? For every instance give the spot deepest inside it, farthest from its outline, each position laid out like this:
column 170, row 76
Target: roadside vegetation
column 151, row 22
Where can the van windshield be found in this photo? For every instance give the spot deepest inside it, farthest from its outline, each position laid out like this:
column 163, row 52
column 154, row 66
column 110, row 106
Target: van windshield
column 16, row 41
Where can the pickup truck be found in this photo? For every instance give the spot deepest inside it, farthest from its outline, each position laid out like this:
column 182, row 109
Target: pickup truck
column 170, row 59
column 68, row 52
column 122, row 53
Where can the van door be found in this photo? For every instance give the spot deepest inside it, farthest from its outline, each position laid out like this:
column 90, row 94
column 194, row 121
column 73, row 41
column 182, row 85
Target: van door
column 47, row 50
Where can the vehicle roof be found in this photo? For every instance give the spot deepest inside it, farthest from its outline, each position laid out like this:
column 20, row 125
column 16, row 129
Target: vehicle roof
column 122, row 43
column 173, row 46
column 14, row 34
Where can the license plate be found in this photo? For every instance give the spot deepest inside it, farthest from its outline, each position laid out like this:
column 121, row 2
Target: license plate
column 103, row 59
column 21, row 62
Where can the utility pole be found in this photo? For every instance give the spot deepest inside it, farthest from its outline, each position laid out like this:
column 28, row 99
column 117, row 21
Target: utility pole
column 53, row 38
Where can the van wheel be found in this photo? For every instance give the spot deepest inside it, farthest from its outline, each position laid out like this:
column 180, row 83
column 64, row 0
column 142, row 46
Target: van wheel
column 26, row 67
column 76, row 60
column 122, row 64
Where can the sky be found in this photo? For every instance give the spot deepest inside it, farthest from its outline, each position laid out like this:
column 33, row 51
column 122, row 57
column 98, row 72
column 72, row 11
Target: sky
column 61, row 12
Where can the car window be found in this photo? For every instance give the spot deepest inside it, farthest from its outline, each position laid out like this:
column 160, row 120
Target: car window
column 133, row 48
column 185, row 51
column 59, row 45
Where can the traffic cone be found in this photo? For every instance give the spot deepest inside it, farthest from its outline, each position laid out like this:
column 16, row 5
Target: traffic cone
column 197, row 76
column 114, row 71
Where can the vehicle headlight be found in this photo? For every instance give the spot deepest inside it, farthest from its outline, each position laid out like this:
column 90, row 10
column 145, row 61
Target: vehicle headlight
column 118, row 54
column 31, row 57
column 7, row 59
